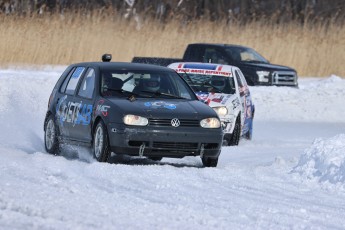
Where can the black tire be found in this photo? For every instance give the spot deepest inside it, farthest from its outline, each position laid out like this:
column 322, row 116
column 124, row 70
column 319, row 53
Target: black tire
column 209, row 162
column 234, row 139
column 51, row 136
column 100, row 146
column 155, row 158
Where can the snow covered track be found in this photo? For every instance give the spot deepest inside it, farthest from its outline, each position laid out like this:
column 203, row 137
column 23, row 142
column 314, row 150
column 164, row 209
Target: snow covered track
column 291, row 176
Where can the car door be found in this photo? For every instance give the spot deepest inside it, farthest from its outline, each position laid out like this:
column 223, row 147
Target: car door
column 84, row 102
column 246, row 101
column 66, row 108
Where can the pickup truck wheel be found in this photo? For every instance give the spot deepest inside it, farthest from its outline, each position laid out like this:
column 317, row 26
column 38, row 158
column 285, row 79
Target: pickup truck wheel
column 155, row 158
column 51, row 141
column 101, row 149
column 235, row 137
column 209, row 162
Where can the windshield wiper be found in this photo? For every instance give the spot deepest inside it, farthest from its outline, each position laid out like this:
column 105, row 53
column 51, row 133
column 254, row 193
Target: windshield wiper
column 214, row 89
column 158, row 93
column 122, row 91
column 119, row 90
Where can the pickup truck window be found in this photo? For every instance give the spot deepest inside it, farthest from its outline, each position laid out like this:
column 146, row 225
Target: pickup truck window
column 212, row 55
column 244, row 55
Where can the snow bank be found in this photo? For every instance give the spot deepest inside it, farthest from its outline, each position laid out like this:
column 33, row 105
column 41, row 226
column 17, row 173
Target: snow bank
column 316, row 100
column 324, row 161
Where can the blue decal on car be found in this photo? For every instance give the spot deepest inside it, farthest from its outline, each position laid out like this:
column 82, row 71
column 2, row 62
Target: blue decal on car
column 84, row 114
column 160, row 104
column 73, row 112
column 201, row 66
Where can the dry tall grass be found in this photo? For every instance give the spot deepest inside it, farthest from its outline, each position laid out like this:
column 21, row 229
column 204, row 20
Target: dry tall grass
column 316, row 50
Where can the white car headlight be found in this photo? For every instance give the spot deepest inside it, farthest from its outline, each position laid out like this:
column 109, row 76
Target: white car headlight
column 135, row 120
column 221, row 111
column 210, row 123
column 263, row 75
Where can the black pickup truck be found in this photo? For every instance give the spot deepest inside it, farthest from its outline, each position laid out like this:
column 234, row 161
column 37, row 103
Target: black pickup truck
column 256, row 69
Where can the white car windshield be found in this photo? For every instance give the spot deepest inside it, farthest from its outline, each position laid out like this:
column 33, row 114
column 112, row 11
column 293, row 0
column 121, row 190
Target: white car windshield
column 210, row 83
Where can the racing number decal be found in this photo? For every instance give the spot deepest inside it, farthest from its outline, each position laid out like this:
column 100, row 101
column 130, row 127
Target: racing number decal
column 73, row 112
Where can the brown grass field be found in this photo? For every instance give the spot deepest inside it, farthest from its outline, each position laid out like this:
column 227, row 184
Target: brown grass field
column 313, row 50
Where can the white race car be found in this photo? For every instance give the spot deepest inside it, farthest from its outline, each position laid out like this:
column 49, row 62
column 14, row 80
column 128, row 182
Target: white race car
column 224, row 88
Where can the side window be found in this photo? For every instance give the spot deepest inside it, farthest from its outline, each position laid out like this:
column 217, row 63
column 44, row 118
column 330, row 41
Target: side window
column 239, row 80
column 64, row 84
column 232, row 85
column 244, row 82
column 73, row 81
column 87, row 86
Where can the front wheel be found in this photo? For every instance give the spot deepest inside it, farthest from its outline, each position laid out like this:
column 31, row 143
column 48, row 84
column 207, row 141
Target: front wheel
column 51, row 141
column 101, row 149
column 236, row 134
column 209, row 162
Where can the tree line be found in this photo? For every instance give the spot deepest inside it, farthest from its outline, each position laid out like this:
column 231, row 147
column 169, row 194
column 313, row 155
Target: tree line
column 279, row 11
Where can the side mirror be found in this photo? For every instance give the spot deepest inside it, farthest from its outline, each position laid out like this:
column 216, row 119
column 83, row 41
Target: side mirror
column 106, row 57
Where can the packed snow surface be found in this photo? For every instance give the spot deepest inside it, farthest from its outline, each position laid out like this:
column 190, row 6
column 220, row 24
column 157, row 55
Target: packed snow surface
column 290, row 176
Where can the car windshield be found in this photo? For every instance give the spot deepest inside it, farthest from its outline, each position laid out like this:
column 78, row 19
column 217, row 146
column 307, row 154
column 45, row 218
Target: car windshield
column 210, row 83
column 244, row 54
column 157, row 84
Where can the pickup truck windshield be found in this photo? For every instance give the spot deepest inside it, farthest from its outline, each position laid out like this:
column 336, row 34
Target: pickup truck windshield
column 245, row 55
column 124, row 83
column 210, row 83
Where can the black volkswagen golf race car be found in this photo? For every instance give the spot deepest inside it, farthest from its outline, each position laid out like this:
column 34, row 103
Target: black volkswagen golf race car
column 134, row 109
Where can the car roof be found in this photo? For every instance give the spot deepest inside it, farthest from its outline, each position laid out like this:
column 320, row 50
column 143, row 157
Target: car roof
column 203, row 68
column 123, row 66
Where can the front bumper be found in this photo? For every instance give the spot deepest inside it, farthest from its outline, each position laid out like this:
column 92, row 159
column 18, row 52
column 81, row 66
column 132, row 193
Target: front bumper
column 165, row 141
column 280, row 78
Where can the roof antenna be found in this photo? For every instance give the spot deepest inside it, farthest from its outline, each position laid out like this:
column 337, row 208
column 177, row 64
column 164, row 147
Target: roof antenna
column 106, row 57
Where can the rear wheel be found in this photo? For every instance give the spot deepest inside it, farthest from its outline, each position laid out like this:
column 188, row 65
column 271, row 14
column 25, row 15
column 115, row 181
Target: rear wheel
column 51, row 141
column 209, row 162
column 101, row 149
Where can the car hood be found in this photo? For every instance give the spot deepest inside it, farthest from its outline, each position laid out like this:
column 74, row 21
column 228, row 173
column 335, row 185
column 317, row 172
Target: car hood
column 267, row 66
column 161, row 108
column 215, row 99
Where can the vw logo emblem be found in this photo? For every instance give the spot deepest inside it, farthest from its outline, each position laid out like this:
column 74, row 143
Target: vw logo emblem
column 175, row 122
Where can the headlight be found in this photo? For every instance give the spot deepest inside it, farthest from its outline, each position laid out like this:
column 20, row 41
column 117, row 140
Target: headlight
column 263, row 75
column 135, row 120
column 221, row 111
column 210, row 123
